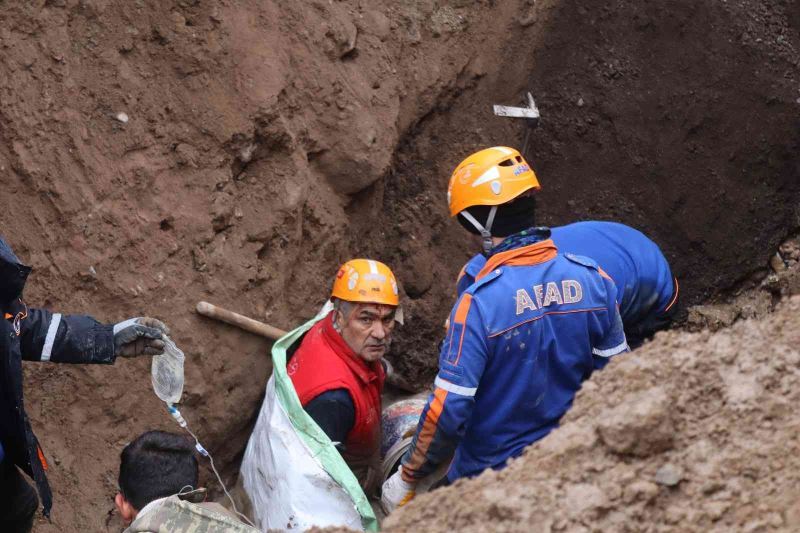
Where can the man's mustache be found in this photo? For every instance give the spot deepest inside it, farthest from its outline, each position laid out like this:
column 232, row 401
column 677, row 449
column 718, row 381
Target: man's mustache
column 378, row 344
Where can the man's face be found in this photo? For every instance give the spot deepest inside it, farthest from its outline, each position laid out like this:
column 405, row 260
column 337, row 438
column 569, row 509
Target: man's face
column 366, row 328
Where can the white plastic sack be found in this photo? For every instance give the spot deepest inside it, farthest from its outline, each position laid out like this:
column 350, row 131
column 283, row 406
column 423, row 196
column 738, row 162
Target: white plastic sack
column 288, row 488
column 293, row 474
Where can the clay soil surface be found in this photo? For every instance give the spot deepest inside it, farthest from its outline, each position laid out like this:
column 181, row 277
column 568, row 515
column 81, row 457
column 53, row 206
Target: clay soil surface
column 158, row 153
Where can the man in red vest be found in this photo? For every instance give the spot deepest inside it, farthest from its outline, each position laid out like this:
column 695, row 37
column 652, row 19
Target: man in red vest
column 338, row 371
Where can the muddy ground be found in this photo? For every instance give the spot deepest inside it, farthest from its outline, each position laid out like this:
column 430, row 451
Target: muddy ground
column 153, row 154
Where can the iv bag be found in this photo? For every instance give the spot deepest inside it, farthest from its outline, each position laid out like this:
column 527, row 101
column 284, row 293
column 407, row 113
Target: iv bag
column 166, row 373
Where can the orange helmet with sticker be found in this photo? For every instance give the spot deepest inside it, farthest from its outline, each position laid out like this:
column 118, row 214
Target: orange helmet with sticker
column 493, row 176
column 366, row 281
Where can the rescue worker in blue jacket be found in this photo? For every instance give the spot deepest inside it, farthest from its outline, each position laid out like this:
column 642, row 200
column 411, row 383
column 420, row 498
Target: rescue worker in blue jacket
column 39, row 335
column 646, row 289
column 521, row 339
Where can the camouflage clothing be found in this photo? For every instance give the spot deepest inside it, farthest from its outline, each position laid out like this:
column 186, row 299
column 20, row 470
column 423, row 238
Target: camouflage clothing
column 173, row 515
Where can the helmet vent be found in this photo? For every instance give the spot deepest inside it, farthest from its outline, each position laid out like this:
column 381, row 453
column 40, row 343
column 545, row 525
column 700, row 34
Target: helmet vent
column 506, row 163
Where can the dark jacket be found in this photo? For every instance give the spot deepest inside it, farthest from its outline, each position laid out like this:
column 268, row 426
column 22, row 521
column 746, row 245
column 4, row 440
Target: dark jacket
column 36, row 335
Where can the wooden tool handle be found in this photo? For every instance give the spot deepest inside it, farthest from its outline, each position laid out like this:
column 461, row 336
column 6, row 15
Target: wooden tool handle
column 241, row 321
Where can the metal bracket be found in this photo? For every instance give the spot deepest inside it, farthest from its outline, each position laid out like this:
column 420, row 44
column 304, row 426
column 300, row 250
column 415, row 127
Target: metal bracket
column 530, row 114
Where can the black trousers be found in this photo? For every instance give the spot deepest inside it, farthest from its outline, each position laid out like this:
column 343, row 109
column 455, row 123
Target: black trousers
column 18, row 500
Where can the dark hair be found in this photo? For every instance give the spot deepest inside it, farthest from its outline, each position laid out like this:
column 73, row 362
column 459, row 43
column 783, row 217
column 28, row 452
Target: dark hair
column 156, row 465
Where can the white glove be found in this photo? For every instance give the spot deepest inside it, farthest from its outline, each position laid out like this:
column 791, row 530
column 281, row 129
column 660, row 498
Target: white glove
column 396, row 492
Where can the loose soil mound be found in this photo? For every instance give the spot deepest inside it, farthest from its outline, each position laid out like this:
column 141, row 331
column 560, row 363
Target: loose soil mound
column 694, row 432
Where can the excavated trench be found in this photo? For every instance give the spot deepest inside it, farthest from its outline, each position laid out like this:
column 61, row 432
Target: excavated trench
column 272, row 152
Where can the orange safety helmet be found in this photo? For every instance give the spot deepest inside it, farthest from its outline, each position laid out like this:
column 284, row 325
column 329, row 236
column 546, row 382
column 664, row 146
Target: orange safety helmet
column 492, row 176
column 366, row 281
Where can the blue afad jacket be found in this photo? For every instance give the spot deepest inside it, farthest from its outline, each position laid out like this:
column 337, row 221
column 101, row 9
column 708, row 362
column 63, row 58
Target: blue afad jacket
column 640, row 271
column 521, row 340
column 36, row 335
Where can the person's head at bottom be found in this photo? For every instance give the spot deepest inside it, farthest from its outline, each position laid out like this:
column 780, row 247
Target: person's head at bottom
column 155, row 465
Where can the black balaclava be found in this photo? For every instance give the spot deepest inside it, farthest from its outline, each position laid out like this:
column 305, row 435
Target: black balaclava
column 12, row 275
column 511, row 218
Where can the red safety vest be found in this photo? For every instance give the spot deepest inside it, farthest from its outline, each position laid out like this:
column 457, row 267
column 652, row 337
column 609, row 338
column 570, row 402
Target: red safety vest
column 325, row 362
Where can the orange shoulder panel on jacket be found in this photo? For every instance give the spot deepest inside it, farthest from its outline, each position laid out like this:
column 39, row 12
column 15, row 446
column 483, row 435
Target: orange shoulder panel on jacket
column 463, row 309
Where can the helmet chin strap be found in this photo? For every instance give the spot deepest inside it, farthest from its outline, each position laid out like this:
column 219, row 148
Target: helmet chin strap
column 485, row 231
